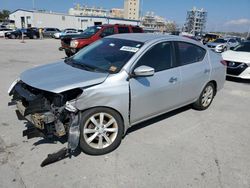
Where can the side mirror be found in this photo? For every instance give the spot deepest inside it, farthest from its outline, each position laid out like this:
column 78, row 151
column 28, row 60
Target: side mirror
column 144, row 71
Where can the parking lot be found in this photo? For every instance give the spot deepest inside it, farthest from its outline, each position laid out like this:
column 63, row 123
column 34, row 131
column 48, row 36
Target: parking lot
column 184, row 148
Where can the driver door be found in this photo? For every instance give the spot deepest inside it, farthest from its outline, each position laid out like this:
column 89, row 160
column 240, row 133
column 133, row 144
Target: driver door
column 158, row 93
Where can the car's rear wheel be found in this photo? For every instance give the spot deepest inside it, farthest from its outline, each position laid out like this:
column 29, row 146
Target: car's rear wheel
column 101, row 131
column 206, row 97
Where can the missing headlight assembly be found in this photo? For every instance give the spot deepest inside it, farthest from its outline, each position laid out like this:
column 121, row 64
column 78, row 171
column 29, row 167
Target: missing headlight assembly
column 50, row 114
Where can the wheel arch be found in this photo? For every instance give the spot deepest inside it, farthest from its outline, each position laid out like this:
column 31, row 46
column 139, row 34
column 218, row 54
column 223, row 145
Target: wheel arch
column 110, row 108
column 215, row 85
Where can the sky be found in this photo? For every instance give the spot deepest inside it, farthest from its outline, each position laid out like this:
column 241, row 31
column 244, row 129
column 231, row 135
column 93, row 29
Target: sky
column 223, row 15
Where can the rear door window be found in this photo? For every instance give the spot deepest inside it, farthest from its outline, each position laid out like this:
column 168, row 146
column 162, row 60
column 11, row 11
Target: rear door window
column 108, row 31
column 136, row 30
column 189, row 53
column 123, row 30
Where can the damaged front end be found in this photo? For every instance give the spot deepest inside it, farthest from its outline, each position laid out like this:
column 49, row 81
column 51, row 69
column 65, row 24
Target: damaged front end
column 51, row 114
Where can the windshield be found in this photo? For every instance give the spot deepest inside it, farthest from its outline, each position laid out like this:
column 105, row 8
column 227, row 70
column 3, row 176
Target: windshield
column 106, row 55
column 243, row 47
column 219, row 41
column 91, row 31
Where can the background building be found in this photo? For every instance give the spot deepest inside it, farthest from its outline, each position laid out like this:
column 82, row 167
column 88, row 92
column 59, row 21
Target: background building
column 153, row 23
column 117, row 13
column 132, row 9
column 195, row 21
column 79, row 10
column 31, row 18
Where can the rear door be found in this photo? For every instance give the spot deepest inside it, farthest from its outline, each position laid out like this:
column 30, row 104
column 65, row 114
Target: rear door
column 107, row 32
column 123, row 29
column 195, row 70
column 160, row 92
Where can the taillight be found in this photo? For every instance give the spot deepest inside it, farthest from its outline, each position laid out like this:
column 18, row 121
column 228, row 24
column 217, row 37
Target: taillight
column 223, row 62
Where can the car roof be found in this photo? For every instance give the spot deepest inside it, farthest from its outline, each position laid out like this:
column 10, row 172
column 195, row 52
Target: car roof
column 146, row 37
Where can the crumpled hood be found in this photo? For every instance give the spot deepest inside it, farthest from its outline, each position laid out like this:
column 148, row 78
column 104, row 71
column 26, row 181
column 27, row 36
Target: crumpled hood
column 59, row 77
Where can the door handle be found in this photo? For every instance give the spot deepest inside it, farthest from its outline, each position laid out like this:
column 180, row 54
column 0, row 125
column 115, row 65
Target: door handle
column 173, row 79
column 206, row 71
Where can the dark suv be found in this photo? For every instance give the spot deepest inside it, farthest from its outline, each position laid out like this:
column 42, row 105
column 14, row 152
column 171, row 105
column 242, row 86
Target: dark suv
column 73, row 43
column 31, row 33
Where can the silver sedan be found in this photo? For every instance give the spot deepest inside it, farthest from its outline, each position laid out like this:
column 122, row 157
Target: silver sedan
column 115, row 83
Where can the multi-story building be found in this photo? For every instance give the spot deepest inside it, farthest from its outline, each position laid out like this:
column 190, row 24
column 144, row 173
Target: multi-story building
column 153, row 23
column 195, row 21
column 117, row 13
column 32, row 18
column 132, row 9
column 79, row 10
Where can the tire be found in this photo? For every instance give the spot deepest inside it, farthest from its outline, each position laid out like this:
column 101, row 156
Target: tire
column 206, row 97
column 95, row 139
column 12, row 36
column 68, row 53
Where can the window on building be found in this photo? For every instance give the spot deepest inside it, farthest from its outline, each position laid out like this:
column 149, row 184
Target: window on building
column 63, row 18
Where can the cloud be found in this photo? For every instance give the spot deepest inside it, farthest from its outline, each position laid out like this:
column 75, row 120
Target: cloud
column 239, row 22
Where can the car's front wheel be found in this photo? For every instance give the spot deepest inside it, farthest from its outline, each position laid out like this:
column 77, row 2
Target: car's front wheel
column 206, row 97
column 12, row 36
column 68, row 53
column 101, row 131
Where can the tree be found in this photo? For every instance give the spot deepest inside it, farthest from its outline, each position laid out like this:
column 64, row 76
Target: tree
column 4, row 14
column 170, row 27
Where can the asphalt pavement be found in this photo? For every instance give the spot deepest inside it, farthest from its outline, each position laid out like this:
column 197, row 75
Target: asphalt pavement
column 183, row 148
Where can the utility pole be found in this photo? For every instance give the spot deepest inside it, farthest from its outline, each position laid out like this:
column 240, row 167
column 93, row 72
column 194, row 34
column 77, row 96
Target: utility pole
column 141, row 9
column 33, row 4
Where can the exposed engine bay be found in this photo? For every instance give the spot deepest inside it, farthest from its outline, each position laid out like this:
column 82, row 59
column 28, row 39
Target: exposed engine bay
column 49, row 113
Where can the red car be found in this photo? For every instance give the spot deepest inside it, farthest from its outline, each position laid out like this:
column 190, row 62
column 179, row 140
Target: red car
column 73, row 43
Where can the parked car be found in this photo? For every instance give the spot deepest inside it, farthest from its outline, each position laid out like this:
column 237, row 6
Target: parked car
column 49, row 32
column 222, row 44
column 238, row 61
column 31, row 33
column 210, row 37
column 15, row 34
column 115, row 83
column 4, row 30
column 73, row 43
column 67, row 32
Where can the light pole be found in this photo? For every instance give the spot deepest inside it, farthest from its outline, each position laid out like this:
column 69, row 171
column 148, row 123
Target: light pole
column 33, row 4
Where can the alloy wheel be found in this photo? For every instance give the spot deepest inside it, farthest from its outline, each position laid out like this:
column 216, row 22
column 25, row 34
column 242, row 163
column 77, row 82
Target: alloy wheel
column 207, row 96
column 100, row 130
